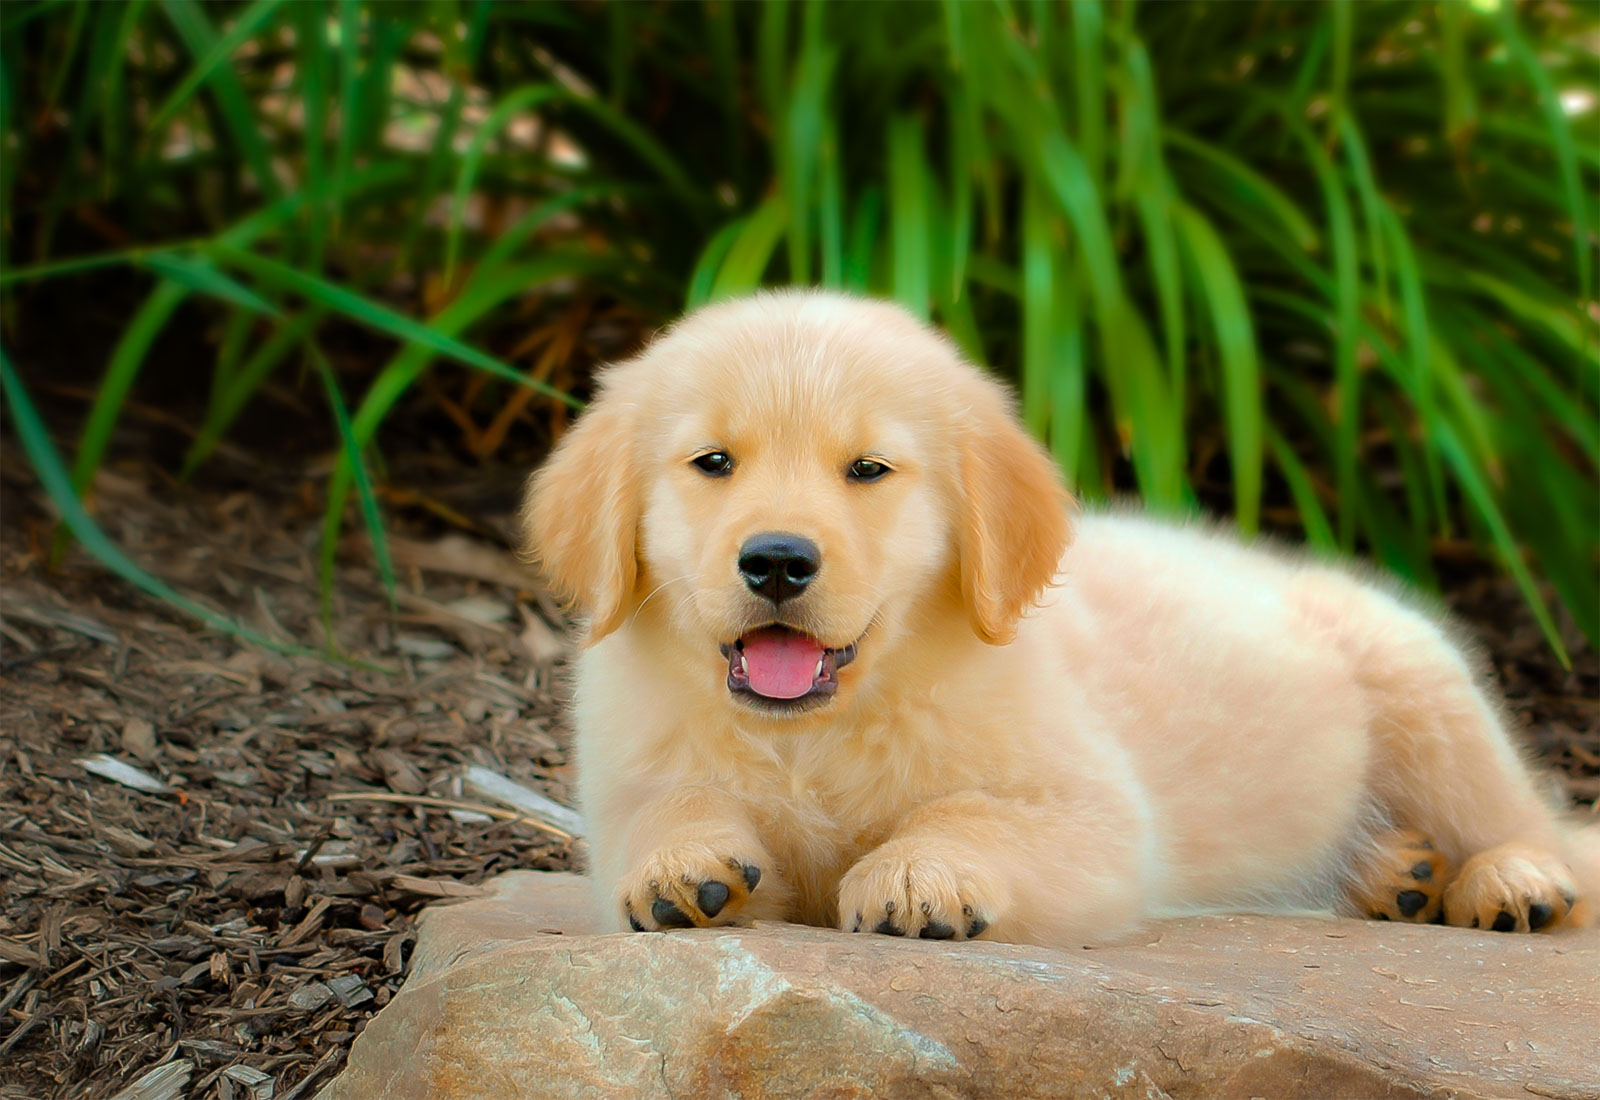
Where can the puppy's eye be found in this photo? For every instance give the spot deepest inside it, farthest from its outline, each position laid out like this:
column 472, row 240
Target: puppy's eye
column 715, row 463
column 867, row 469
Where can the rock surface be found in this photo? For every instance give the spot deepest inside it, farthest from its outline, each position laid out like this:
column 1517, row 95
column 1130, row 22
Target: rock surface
column 500, row 1004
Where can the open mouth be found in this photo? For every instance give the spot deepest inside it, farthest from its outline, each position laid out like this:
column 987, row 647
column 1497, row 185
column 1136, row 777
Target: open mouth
column 777, row 668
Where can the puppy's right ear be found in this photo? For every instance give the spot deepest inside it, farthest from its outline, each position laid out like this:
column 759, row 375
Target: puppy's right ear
column 581, row 511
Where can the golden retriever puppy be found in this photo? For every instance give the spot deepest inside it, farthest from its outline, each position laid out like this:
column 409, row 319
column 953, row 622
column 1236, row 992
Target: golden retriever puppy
column 843, row 667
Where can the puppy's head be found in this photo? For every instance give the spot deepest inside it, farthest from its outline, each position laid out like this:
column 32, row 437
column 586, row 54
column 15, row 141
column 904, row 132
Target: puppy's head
column 792, row 488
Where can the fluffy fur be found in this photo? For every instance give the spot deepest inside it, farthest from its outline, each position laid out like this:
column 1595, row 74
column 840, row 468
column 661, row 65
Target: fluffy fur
column 1036, row 743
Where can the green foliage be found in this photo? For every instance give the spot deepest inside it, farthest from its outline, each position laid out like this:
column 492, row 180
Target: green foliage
column 1330, row 265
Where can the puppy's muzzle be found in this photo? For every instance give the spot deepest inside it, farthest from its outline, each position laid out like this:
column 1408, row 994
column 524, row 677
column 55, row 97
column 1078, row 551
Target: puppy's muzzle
column 778, row 565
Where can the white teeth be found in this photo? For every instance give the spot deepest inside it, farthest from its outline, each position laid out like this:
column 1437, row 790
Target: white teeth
column 744, row 667
column 817, row 675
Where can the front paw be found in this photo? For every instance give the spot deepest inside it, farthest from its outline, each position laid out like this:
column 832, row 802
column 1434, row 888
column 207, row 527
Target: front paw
column 898, row 890
column 688, row 886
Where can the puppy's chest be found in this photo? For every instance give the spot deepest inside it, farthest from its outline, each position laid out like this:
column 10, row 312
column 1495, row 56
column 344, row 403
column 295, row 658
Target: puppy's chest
column 817, row 819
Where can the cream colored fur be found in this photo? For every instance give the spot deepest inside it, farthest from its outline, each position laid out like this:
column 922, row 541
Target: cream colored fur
column 1058, row 741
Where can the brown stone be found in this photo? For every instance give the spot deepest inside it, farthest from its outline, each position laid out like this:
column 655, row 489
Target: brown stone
column 497, row 1006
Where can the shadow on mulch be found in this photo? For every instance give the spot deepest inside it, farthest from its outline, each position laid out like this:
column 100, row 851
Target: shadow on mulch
column 236, row 933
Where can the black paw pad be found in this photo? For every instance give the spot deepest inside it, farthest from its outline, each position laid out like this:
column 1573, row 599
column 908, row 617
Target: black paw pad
column 978, row 925
column 1422, row 871
column 1505, row 922
column 936, row 930
column 752, row 875
column 1539, row 915
column 886, row 928
column 1410, row 902
column 633, row 922
column 711, row 897
column 668, row 915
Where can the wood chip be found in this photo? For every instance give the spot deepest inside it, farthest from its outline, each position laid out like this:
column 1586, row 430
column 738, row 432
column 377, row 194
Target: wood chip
column 429, row 649
column 481, row 609
column 312, row 922
column 255, row 1085
column 311, row 996
column 350, row 990
column 436, row 887
column 139, row 739
column 542, row 643
column 490, row 784
column 109, row 767
column 162, row 1083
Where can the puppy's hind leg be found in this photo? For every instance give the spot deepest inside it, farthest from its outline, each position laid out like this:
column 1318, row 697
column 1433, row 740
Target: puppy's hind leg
column 1443, row 764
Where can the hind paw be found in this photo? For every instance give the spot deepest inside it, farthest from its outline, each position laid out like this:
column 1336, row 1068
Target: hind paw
column 1403, row 879
column 1513, row 888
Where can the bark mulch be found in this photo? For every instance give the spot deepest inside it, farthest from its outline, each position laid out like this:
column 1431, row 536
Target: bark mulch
column 229, row 934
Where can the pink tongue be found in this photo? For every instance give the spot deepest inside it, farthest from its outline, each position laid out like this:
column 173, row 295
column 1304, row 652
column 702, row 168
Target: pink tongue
column 782, row 665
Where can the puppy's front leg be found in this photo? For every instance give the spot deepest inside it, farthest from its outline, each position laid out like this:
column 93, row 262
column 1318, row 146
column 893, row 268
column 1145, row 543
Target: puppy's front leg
column 1010, row 869
column 693, row 860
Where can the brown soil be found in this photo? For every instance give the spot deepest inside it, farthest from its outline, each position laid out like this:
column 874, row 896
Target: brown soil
column 254, row 918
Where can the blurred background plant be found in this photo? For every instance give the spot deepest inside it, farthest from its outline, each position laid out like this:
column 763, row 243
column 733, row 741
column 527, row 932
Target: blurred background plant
column 1327, row 267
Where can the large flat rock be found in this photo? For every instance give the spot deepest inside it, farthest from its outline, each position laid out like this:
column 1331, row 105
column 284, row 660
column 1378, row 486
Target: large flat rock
column 511, row 997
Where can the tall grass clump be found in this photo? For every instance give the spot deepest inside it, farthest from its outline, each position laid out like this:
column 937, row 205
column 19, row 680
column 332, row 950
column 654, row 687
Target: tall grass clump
column 1330, row 266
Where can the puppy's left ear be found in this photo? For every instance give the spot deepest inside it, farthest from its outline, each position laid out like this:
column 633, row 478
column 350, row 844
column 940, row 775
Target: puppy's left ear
column 1013, row 525
column 580, row 514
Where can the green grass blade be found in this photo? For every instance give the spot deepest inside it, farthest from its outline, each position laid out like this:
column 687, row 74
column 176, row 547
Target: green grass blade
column 364, row 493
column 1251, row 187
column 750, row 250
column 381, row 318
column 862, row 247
column 126, row 359
column 188, row 18
column 230, row 349
column 1069, row 428
column 800, row 151
column 198, row 275
column 1419, row 347
column 909, row 188
column 1089, row 85
column 217, row 54
column 1343, row 20
column 350, row 118
column 1354, row 146
column 311, row 69
column 1069, row 180
column 703, row 279
column 1347, row 315
column 830, row 206
column 1216, row 284
column 1040, row 247
column 1313, row 518
column 1460, row 104
column 1561, row 143
column 1136, row 378
column 1476, row 487
column 242, row 384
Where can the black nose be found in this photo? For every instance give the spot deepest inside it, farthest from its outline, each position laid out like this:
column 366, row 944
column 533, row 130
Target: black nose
column 778, row 565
